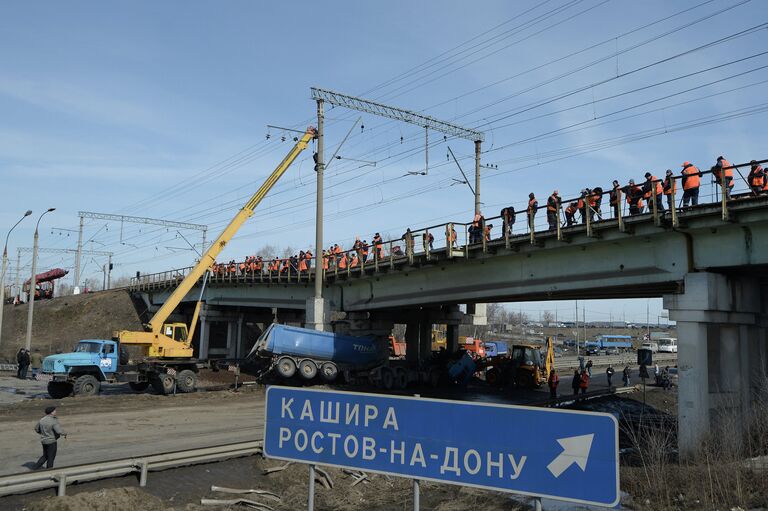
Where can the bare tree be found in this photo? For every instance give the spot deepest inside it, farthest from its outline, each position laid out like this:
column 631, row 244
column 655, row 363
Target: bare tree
column 548, row 318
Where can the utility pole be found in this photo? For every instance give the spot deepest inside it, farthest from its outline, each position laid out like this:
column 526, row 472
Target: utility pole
column 5, row 268
column 109, row 270
column 18, row 272
column 76, row 289
column 576, row 321
column 584, row 322
column 647, row 318
column 478, row 143
column 320, row 168
column 32, row 280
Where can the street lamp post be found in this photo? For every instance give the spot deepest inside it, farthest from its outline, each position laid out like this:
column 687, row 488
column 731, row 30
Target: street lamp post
column 32, row 281
column 5, row 267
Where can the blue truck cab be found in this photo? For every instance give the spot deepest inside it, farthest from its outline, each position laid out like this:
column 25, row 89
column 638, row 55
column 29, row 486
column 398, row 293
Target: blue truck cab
column 81, row 371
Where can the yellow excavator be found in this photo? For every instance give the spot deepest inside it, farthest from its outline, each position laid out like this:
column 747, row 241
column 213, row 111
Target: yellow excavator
column 166, row 360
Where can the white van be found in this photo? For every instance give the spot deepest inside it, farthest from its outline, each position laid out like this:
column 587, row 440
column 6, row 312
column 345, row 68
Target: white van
column 650, row 346
column 667, row 345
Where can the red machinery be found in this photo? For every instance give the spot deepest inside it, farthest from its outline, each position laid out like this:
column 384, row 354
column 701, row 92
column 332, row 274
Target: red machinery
column 44, row 283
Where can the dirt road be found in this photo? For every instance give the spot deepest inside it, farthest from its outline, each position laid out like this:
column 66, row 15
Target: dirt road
column 104, row 428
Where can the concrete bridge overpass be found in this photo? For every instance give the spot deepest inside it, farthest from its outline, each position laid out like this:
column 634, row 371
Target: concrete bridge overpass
column 709, row 263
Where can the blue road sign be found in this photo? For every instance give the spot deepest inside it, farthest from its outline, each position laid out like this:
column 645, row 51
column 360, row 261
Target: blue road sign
column 561, row 454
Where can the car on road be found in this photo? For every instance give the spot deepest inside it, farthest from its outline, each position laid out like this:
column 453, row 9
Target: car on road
column 654, row 347
column 593, row 351
column 612, row 351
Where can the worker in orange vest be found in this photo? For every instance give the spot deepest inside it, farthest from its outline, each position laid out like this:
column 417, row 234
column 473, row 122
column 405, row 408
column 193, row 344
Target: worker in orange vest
column 450, row 236
column 756, row 178
column 595, row 200
column 651, row 187
column 724, row 167
column 533, row 205
column 378, row 250
column 570, row 214
column 634, row 198
column 553, row 381
column 553, row 206
column 669, row 187
column 302, row 262
column 691, row 183
column 581, row 205
column 342, row 261
column 614, row 199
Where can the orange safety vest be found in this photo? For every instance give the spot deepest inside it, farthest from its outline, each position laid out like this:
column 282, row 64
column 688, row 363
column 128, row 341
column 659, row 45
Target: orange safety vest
column 659, row 188
column 580, row 203
column 728, row 172
column 592, row 200
column 343, row 262
column 532, row 205
column 355, row 261
column 302, row 264
column 552, row 203
column 670, row 185
column 693, row 180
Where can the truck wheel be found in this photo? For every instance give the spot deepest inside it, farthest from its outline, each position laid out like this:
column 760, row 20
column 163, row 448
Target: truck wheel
column 286, row 367
column 59, row 389
column 138, row 386
column 329, row 371
column 308, row 369
column 162, row 383
column 186, row 381
column 387, row 378
column 401, row 378
column 86, row 385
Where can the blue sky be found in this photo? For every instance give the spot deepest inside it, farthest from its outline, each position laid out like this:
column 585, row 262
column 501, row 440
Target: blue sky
column 159, row 109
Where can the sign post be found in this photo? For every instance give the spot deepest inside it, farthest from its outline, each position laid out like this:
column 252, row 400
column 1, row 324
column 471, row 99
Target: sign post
column 540, row 452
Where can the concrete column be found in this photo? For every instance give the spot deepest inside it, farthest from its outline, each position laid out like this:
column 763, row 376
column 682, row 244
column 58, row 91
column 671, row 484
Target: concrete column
column 239, row 344
column 720, row 330
column 425, row 339
column 452, row 338
column 204, row 333
column 318, row 314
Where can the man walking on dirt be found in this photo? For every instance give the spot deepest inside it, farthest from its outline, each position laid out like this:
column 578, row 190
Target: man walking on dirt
column 49, row 430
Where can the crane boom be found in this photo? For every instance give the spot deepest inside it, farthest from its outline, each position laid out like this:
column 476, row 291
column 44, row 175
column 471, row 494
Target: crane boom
column 166, row 344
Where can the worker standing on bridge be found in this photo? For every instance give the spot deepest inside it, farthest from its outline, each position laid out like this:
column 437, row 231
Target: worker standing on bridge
column 596, row 200
column 49, row 430
column 533, row 205
column 670, row 187
column 625, row 376
column 756, row 178
column 378, row 250
column 724, row 167
column 582, row 206
column 553, row 206
column 651, row 187
column 609, row 374
column 634, row 198
column 553, row 381
column 570, row 214
column 691, row 183
column 508, row 215
column 408, row 238
column 615, row 199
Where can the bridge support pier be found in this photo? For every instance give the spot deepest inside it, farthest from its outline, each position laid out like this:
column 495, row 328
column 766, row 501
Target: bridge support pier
column 722, row 356
column 318, row 314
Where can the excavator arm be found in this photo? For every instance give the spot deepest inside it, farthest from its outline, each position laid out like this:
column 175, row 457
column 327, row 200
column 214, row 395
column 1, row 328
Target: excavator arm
column 160, row 345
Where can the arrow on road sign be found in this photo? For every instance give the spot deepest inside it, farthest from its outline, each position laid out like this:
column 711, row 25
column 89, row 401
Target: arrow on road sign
column 575, row 450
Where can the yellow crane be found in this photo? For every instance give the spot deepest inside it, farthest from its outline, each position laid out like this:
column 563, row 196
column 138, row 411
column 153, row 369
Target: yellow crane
column 168, row 342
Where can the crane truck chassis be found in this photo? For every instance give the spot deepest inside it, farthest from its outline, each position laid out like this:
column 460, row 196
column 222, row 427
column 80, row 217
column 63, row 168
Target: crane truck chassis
column 166, row 361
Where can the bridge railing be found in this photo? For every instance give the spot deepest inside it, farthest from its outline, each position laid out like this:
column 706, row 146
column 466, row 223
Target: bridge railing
column 457, row 239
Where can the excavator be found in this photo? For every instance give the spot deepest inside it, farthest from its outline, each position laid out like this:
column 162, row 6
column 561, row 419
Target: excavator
column 166, row 354
column 525, row 366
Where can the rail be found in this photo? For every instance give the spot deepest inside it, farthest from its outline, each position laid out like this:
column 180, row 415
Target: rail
column 455, row 240
column 630, row 358
column 61, row 477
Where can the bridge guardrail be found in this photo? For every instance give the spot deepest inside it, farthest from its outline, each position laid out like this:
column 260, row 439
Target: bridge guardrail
column 458, row 239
